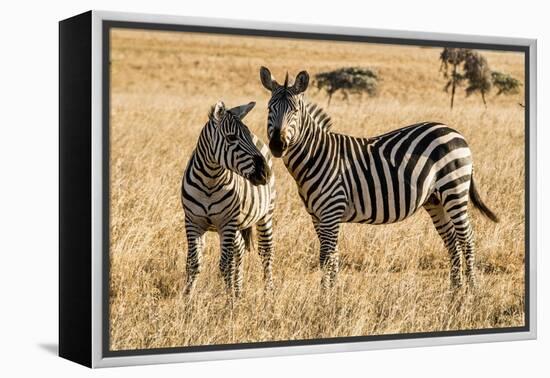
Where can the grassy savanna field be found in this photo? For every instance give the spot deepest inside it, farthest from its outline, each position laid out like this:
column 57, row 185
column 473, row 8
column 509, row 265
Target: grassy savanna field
column 393, row 278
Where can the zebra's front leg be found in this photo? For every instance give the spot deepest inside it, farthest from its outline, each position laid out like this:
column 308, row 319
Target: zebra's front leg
column 328, row 255
column 227, row 264
column 238, row 255
column 194, row 254
column 265, row 248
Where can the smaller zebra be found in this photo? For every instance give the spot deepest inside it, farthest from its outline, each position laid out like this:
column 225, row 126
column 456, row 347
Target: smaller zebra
column 228, row 187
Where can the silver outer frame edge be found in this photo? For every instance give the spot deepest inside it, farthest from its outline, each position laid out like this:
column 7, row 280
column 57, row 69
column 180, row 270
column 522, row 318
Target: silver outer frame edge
column 97, row 318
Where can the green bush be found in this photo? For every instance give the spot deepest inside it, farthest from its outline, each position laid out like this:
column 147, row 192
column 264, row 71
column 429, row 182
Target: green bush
column 348, row 80
column 505, row 83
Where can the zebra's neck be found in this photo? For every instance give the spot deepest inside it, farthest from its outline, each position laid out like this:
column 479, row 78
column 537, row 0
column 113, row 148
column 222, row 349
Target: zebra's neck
column 317, row 115
column 312, row 118
column 203, row 162
column 314, row 139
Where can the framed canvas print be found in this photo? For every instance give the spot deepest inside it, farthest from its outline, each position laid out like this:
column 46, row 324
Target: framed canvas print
column 233, row 189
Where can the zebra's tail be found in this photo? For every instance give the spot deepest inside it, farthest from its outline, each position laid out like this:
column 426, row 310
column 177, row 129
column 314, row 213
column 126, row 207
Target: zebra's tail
column 476, row 200
column 247, row 236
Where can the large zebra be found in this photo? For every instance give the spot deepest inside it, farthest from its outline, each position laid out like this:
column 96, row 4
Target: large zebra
column 228, row 187
column 376, row 180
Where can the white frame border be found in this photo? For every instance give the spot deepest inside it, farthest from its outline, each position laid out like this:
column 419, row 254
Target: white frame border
column 97, row 186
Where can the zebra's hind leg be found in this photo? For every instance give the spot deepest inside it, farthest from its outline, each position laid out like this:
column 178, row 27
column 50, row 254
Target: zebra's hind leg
column 446, row 230
column 264, row 229
column 328, row 256
column 195, row 243
column 465, row 235
column 467, row 239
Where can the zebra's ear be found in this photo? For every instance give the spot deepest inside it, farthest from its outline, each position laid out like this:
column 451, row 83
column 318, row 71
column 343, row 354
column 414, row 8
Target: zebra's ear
column 267, row 79
column 243, row 110
column 301, row 82
column 218, row 111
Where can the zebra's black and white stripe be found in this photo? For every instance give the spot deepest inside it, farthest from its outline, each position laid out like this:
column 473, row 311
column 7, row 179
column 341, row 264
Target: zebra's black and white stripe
column 377, row 180
column 228, row 187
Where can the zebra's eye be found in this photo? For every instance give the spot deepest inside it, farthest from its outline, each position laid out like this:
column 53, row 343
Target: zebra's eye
column 231, row 138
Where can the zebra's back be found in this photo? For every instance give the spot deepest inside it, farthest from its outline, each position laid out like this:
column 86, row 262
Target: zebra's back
column 389, row 177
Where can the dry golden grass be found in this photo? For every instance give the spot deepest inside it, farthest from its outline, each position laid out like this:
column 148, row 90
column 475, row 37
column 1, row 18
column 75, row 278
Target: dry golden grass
column 394, row 278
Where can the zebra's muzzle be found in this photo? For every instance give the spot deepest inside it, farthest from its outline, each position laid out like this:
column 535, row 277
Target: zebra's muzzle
column 262, row 173
column 277, row 147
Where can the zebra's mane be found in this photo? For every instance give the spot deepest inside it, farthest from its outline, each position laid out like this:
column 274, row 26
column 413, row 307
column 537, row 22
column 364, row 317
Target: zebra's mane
column 319, row 116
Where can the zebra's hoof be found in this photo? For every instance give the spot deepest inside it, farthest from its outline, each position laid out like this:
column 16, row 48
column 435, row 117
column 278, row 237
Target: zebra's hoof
column 455, row 285
column 472, row 285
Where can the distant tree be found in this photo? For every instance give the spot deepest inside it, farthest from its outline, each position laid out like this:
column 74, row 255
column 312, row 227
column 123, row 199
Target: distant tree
column 464, row 65
column 451, row 60
column 505, row 83
column 478, row 74
column 347, row 80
